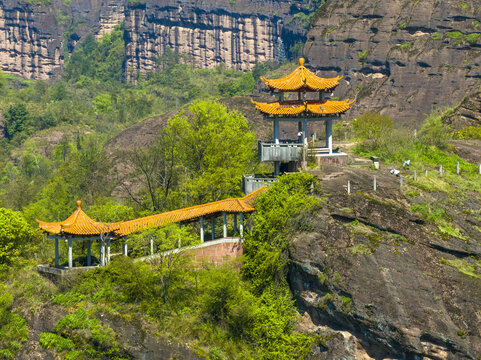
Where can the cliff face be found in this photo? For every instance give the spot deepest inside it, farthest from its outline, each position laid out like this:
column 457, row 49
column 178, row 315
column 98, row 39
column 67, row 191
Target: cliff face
column 402, row 58
column 34, row 38
column 27, row 41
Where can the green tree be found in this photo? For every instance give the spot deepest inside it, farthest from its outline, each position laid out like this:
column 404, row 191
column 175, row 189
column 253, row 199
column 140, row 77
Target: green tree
column 216, row 148
column 372, row 126
column 434, row 131
column 279, row 212
column 16, row 120
column 15, row 235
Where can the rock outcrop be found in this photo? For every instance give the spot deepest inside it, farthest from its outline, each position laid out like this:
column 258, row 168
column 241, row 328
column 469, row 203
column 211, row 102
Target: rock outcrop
column 36, row 38
column 401, row 58
column 376, row 281
column 467, row 113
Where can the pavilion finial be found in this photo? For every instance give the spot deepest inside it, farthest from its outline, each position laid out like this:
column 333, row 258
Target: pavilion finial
column 301, row 61
column 79, row 203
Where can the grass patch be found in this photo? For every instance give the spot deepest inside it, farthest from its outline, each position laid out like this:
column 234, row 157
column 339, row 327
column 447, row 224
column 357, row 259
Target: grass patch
column 452, row 231
column 406, row 45
column 360, row 249
column 472, row 38
column 470, row 268
column 436, row 36
column 430, row 212
column 432, row 183
column 454, row 34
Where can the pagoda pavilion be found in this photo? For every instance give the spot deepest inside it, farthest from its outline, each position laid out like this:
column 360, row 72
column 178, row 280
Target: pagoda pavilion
column 308, row 107
column 80, row 227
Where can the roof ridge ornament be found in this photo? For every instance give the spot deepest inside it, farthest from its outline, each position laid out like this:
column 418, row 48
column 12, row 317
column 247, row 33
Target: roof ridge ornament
column 79, row 205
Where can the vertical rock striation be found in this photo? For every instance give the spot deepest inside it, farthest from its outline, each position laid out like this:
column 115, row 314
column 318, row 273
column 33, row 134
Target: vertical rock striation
column 30, row 43
column 236, row 33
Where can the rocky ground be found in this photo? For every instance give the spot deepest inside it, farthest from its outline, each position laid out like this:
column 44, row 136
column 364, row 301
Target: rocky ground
column 378, row 280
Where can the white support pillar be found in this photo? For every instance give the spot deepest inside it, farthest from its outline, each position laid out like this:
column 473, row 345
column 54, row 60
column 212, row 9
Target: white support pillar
column 102, row 252
column 179, row 240
column 151, row 246
column 125, row 249
column 241, row 227
column 224, row 218
column 213, row 229
column 201, row 229
column 108, row 251
column 70, row 260
column 56, row 252
column 329, row 135
column 299, row 132
column 304, row 130
column 89, row 252
column 235, row 224
column 277, row 164
column 276, row 131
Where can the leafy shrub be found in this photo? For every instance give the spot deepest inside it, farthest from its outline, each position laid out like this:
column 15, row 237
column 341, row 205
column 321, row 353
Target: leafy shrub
column 13, row 328
column 17, row 120
column 54, row 341
column 277, row 213
column 472, row 38
column 84, row 335
column 363, row 55
column 372, row 126
column 454, row 34
column 468, row 132
column 434, row 131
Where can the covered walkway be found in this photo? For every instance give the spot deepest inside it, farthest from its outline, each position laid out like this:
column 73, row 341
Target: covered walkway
column 79, row 226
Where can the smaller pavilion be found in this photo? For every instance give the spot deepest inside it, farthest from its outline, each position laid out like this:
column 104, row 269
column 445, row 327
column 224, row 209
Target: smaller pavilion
column 310, row 106
column 80, row 227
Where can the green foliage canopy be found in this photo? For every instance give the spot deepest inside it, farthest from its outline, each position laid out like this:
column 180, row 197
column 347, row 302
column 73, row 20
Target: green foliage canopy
column 216, row 148
column 15, row 235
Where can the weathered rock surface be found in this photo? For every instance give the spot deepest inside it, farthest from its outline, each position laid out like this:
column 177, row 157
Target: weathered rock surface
column 374, row 278
column 402, row 58
column 467, row 113
column 137, row 339
column 36, row 39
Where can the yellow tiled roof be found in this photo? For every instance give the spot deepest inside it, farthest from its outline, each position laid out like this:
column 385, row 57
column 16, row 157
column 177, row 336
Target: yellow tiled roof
column 302, row 79
column 79, row 223
column 326, row 107
column 234, row 205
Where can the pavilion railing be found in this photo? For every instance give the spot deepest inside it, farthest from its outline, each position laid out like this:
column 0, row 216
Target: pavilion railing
column 279, row 152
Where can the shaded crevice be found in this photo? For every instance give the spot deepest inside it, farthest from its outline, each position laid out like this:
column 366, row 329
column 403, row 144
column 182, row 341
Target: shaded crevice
column 457, row 253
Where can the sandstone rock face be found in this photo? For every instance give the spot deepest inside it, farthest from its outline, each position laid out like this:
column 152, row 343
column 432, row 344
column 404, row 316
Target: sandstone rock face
column 238, row 33
column 33, row 38
column 25, row 49
column 401, row 58
column 210, row 33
